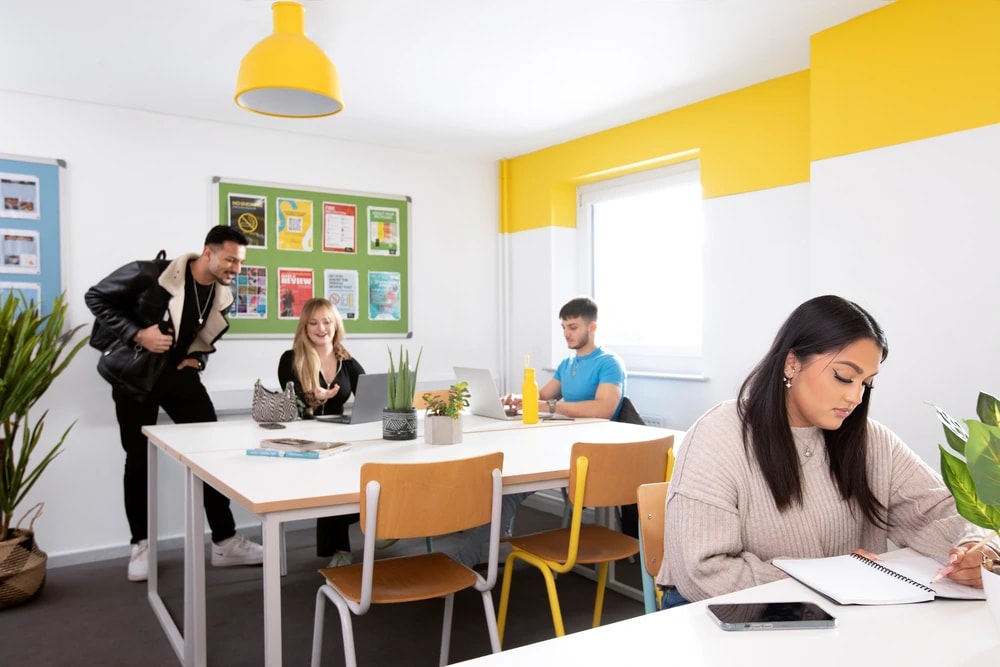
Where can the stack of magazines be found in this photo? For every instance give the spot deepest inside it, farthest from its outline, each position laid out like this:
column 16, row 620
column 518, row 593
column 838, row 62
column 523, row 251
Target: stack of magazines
column 298, row 448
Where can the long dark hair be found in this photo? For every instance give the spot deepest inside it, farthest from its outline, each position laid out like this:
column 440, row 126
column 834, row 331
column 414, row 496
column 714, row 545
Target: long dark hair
column 820, row 325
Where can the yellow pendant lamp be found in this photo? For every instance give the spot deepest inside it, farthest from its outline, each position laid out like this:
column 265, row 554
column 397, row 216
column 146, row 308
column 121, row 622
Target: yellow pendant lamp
column 286, row 74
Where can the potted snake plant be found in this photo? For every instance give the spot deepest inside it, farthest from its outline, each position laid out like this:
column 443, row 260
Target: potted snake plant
column 34, row 350
column 399, row 418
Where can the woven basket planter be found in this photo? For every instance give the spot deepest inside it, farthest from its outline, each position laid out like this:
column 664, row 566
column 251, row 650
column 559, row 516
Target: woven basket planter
column 22, row 568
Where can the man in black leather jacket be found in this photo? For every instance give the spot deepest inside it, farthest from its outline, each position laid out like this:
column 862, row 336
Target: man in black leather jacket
column 156, row 323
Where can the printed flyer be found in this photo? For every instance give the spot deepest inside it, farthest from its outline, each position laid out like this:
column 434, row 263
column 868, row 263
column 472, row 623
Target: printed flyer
column 19, row 194
column 248, row 213
column 341, row 288
column 383, row 295
column 250, row 293
column 383, row 231
column 19, row 251
column 295, row 287
column 340, row 227
column 295, row 224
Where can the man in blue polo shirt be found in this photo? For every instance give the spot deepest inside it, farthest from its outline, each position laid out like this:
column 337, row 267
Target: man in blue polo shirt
column 589, row 383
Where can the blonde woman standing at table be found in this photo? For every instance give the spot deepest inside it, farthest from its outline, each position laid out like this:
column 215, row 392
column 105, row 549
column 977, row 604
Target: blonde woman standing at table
column 324, row 375
column 794, row 468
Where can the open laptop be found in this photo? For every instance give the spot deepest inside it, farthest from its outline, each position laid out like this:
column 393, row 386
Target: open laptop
column 484, row 398
column 369, row 399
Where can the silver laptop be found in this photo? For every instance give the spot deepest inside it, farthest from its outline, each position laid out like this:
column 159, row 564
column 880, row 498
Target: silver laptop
column 369, row 399
column 484, row 398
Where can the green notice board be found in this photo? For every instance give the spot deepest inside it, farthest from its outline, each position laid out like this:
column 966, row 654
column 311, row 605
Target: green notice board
column 350, row 247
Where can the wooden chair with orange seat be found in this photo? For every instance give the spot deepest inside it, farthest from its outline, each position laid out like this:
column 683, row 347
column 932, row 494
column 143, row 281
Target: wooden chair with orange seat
column 601, row 475
column 652, row 511
column 420, row 404
column 418, row 399
column 402, row 500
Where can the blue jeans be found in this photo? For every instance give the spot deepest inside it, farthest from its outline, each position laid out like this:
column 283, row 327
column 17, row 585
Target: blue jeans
column 671, row 598
column 474, row 547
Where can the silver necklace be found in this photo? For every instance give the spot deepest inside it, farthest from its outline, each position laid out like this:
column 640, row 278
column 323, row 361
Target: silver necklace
column 208, row 302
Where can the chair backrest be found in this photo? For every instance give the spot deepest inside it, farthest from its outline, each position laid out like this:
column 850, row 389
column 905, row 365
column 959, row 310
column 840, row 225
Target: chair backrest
column 425, row 499
column 615, row 470
column 418, row 398
column 652, row 499
column 627, row 413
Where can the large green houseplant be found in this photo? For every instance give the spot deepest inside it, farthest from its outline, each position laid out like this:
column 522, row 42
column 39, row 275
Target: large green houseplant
column 34, row 350
column 399, row 419
column 971, row 470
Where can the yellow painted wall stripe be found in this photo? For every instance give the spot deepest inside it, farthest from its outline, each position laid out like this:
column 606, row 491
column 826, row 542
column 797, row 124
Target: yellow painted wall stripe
column 911, row 70
column 749, row 139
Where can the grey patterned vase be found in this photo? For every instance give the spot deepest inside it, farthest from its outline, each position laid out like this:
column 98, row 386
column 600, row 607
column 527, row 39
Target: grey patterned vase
column 399, row 424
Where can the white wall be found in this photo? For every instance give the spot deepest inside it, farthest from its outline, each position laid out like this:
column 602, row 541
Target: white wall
column 910, row 232
column 138, row 182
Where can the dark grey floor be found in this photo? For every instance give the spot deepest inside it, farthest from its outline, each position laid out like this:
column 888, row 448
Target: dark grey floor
column 91, row 615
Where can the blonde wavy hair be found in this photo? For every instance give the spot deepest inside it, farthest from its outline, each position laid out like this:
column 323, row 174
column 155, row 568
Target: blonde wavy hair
column 306, row 360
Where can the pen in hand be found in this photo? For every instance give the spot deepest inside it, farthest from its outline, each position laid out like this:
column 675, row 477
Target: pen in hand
column 950, row 567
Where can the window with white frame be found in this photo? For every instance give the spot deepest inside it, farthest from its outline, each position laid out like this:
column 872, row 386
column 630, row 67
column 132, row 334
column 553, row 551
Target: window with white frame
column 641, row 256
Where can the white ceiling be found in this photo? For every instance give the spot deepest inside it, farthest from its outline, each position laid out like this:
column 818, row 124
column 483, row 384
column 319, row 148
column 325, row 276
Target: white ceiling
column 488, row 79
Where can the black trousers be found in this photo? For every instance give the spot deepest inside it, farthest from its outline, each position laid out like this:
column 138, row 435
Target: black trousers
column 332, row 534
column 183, row 397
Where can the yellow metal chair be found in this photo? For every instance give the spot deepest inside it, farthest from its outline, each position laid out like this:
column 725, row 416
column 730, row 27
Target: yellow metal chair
column 601, row 475
column 652, row 510
column 413, row 500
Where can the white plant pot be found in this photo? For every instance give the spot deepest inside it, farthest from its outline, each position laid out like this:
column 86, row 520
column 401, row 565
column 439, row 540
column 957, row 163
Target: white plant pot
column 991, row 586
column 442, row 430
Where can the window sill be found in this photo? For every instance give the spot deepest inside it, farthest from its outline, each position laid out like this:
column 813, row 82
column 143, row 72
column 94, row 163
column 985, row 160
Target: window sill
column 681, row 377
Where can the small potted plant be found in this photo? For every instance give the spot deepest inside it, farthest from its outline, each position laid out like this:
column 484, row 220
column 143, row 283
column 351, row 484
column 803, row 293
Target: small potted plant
column 972, row 474
column 399, row 418
column 443, row 417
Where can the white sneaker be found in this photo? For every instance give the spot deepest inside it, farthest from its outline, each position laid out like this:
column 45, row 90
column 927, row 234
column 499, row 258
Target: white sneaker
column 236, row 550
column 341, row 558
column 138, row 564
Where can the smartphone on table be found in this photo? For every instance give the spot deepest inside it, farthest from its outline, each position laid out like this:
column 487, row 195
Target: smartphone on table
column 771, row 616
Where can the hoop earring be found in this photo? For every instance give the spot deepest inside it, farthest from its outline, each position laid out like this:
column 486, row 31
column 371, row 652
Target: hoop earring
column 788, row 382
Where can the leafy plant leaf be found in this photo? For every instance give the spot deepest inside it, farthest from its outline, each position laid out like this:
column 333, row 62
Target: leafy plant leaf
column 954, row 432
column 988, row 409
column 982, row 458
column 959, row 481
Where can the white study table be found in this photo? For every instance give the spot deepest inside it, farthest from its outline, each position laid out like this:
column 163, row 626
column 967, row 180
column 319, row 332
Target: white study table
column 943, row 633
column 278, row 490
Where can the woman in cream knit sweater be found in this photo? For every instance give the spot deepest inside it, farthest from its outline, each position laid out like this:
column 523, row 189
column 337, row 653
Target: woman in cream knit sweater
column 795, row 469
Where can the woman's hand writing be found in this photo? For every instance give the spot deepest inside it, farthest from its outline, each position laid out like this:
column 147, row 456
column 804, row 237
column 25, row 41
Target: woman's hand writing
column 965, row 563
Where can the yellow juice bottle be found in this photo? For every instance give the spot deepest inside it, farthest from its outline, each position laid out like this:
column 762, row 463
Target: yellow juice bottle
column 529, row 397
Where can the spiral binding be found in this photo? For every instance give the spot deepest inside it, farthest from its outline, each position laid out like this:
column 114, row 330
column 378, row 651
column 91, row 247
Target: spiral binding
column 892, row 573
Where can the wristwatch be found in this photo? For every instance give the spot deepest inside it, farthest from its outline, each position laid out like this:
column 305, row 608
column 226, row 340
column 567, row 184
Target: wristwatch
column 552, row 405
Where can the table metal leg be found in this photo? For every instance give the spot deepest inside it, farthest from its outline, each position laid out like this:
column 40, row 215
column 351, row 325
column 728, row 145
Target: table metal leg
column 271, row 528
column 194, row 573
column 152, row 585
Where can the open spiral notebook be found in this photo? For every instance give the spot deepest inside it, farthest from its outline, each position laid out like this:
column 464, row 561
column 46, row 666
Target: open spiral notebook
column 900, row 577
